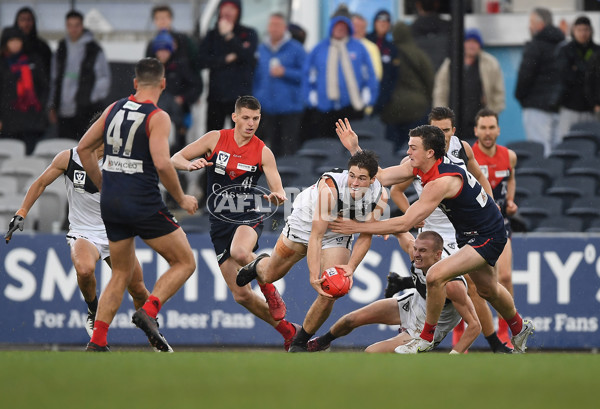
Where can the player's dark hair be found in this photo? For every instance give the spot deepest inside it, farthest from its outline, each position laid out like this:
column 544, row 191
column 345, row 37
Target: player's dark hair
column 485, row 112
column 74, row 14
column 441, row 113
column 438, row 241
column 162, row 7
column 365, row 160
column 149, row 71
column 433, row 138
column 247, row 101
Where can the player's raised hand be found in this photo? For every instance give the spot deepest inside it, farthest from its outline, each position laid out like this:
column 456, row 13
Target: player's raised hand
column 347, row 136
column 275, row 198
column 198, row 164
column 17, row 222
column 189, row 204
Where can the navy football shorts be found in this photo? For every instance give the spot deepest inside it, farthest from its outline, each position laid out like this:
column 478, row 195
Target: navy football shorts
column 156, row 225
column 489, row 248
column 221, row 235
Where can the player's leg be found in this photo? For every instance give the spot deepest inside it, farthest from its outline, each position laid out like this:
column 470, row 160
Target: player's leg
column 321, row 308
column 123, row 256
column 136, row 288
column 285, row 255
column 505, row 278
column 84, row 256
column 389, row 345
column 379, row 312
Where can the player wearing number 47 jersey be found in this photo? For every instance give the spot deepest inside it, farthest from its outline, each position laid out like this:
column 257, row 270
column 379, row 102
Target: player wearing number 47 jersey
column 135, row 133
column 234, row 160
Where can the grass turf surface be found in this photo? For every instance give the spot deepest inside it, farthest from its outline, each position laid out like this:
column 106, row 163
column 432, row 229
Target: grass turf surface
column 265, row 379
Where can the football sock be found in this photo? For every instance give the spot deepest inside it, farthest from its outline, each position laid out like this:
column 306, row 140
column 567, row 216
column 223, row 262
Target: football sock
column 93, row 305
column 428, row 331
column 302, row 337
column 457, row 332
column 99, row 334
column 503, row 329
column 326, row 339
column 286, row 329
column 152, row 306
column 494, row 341
column 515, row 324
column 266, row 287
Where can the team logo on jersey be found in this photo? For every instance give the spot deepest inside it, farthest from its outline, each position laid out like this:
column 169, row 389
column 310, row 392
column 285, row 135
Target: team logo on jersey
column 455, row 152
column 221, row 162
column 485, row 170
column 79, row 177
column 406, row 306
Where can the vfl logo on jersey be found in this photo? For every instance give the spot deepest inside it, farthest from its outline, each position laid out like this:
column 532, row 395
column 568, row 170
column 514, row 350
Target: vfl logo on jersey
column 485, row 171
column 221, row 163
column 79, row 180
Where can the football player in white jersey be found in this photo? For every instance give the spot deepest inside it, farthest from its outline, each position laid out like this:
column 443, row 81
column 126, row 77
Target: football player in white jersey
column 460, row 153
column 352, row 193
column 86, row 236
column 409, row 309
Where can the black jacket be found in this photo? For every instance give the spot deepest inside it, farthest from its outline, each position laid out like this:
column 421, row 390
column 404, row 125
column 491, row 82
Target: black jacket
column 538, row 84
column 573, row 61
column 229, row 81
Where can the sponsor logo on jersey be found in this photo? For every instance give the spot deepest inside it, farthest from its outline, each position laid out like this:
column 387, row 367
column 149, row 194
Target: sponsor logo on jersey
column 246, row 168
column 132, row 105
column 502, row 173
column 79, row 177
column 123, row 165
column 485, row 171
column 221, row 162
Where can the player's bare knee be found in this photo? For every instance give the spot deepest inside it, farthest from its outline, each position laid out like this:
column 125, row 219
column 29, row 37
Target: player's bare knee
column 85, row 272
column 434, row 279
column 243, row 295
column 487, row 293
column 241, row 255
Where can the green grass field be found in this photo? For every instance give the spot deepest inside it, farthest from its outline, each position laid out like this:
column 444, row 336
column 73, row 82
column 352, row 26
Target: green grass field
column 267, row 379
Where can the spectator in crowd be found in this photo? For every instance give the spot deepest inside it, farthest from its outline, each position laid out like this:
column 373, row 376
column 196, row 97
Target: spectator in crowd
column 297, row 32
column 339, row 80
column 432, row 33
column 573, row 61
column 483, row 84
column 23, row 90
column 228, row 51
column 411, row 96
column 278, row 82
column 538, row 83
column 389, row 53
column 80, row 79
column 184, row 47
column 592, row 84
column 183, row 87
column 34, row 45
column 360, row 33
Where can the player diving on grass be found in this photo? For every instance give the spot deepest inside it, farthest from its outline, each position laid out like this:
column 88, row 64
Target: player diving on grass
column 408, row 309
column 352, row 193
column 479, row 226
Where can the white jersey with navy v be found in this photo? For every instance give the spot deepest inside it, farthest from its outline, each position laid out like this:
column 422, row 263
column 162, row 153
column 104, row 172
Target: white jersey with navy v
column 130, row 181
column 233, row 177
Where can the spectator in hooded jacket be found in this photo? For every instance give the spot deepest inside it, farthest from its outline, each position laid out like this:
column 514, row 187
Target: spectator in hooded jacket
column 34, row 45
column 278, row 82
column 483, row 84
column 23, row 91
column 80, row 79
column 382, row 23
column 339, row 80
column 410, row 100
column 573, row 61
column 538, row 83
column 228, row 51
column 183, row 87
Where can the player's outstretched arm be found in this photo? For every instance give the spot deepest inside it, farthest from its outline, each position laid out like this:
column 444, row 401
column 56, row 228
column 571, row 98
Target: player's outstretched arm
column 511, row 185
column 269, row 165
column 57, row 167
column 457, row 293
column 160, row 127
column 191, row 157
